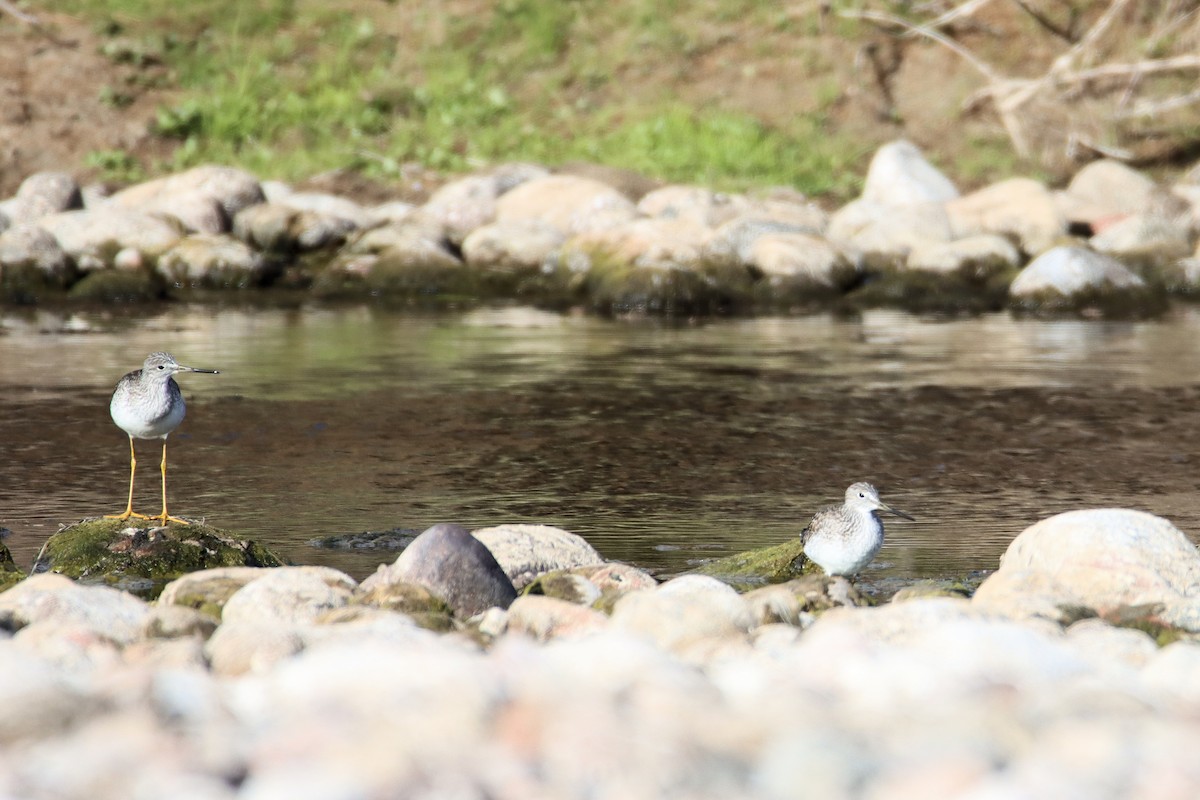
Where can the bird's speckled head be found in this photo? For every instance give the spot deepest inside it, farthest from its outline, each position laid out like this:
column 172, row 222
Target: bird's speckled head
column 861, row 495
column 163, row 365
column 864, row 496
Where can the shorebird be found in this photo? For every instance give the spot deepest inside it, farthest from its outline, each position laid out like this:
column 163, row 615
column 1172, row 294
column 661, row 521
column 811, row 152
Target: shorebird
column 148, row 405
column 843, row 539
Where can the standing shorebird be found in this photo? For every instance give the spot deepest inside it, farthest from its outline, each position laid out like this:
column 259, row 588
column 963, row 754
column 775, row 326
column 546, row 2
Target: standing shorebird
column 148, row 405
column 843, row 539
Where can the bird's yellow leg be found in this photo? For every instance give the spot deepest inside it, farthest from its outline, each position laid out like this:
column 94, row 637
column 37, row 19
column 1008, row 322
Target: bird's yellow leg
column 164, row 517
column 129, row 512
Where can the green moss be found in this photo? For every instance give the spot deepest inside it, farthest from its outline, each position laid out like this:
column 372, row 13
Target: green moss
column 949, row 587
column 426, row 609
column 776, row 564
column 923, row 292
column 1130, row 303
column 144, row 558
column 117, row 286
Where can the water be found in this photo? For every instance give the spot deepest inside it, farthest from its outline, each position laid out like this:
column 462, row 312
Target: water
column 663, row 444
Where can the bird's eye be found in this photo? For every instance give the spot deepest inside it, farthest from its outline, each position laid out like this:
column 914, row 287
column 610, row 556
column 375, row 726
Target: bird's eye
column 863, row 496
column 162, row 367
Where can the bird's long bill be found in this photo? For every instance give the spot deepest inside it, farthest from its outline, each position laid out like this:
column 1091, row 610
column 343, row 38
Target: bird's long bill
column 898, row 513
column 206, row 371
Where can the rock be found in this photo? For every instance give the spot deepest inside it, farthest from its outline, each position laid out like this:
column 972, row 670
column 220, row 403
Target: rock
column 38, row 700
column 1065, row 277
column 1019, row 208
column 143, row 558
column 546, row 618
column 565, row 585
column 92, row 237
column 463, row 206
column 654, row 243
column 1106, row 189
column 694, row 204
column 233, row 189
column 193, row 212
column 278, row 228
column 518, row 247
column 270, row 227
column 685, row 612
column 734, row 241
column 32, row 249
column 773, row 564
column 289, row 596
column 208, row 590
column 900, row 176
column 886, row 234
column 797, row 601
column 389, row 213
column 10, row 573
column 525, row 551
column 800, row 262
column 1105, row 560
column 43, row 194
column 572, row 204
column 209, row 261
column 411, row 599
column 1098, row 641
column 335, row 212
column 936, row 587
column 114, row 614
column 117, row 286
column 251, row 647
column 1146, row 241
column 454, row 566
column 974, row 258
column 172, row 621
column 619, row 578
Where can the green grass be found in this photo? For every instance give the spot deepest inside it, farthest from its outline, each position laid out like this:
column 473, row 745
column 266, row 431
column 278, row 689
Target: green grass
column 288, row 88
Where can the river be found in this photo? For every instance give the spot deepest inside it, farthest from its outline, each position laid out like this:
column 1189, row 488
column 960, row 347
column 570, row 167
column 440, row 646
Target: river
column 663, row 443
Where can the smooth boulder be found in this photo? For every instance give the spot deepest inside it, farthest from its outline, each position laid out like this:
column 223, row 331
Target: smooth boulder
column 452, row 564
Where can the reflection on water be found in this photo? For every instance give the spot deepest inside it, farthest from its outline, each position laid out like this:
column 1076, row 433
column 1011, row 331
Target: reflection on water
column 663, row 444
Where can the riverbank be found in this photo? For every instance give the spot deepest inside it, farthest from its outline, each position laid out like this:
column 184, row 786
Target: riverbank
column 1113, row 243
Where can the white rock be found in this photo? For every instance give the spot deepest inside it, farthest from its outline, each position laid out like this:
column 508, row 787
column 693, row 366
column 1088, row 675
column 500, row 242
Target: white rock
column 525, row 551
column 1069, row 270
column 974, row 257
column 899, row 175
column 49, row 597
column 1103, row 559
column 1018, row 207
column 572, row 204
column 289, row 595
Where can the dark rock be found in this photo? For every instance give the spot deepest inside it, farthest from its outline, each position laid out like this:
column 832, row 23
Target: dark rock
column 117, row 286
column 452, row 564
column 395, row 539
column 141, row 557
column 10, row 573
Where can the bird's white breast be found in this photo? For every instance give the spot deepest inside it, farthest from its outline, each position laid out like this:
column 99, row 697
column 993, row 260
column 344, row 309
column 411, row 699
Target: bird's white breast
column 149, row 415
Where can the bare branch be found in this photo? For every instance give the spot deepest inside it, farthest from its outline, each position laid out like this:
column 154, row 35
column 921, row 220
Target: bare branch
column 1145, row 108
column 1066, row 34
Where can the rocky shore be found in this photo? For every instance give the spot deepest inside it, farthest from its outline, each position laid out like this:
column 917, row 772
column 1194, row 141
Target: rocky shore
column 1112, row 241
column 514, row 662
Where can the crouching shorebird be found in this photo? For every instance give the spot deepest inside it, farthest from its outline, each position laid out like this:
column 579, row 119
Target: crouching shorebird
column 148, row 405
column 843, row 539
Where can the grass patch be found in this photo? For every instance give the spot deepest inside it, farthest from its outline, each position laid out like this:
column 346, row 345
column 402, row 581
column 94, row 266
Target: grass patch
column 289, row 88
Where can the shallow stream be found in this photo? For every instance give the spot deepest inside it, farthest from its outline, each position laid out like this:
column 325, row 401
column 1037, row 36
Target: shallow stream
column 664, row 444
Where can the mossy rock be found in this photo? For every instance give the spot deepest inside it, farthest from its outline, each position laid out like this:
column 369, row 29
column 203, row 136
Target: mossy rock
column 117, row 286
column 10, row 573
column 614, row 287
column 26, row 284
column 1128, row 303
column 922, row 292
column 143, row 558
column 776, row 564
column 565, row 584
column 948, row 587
column 1147, row 618
column 426, row 608
column 401, row 277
